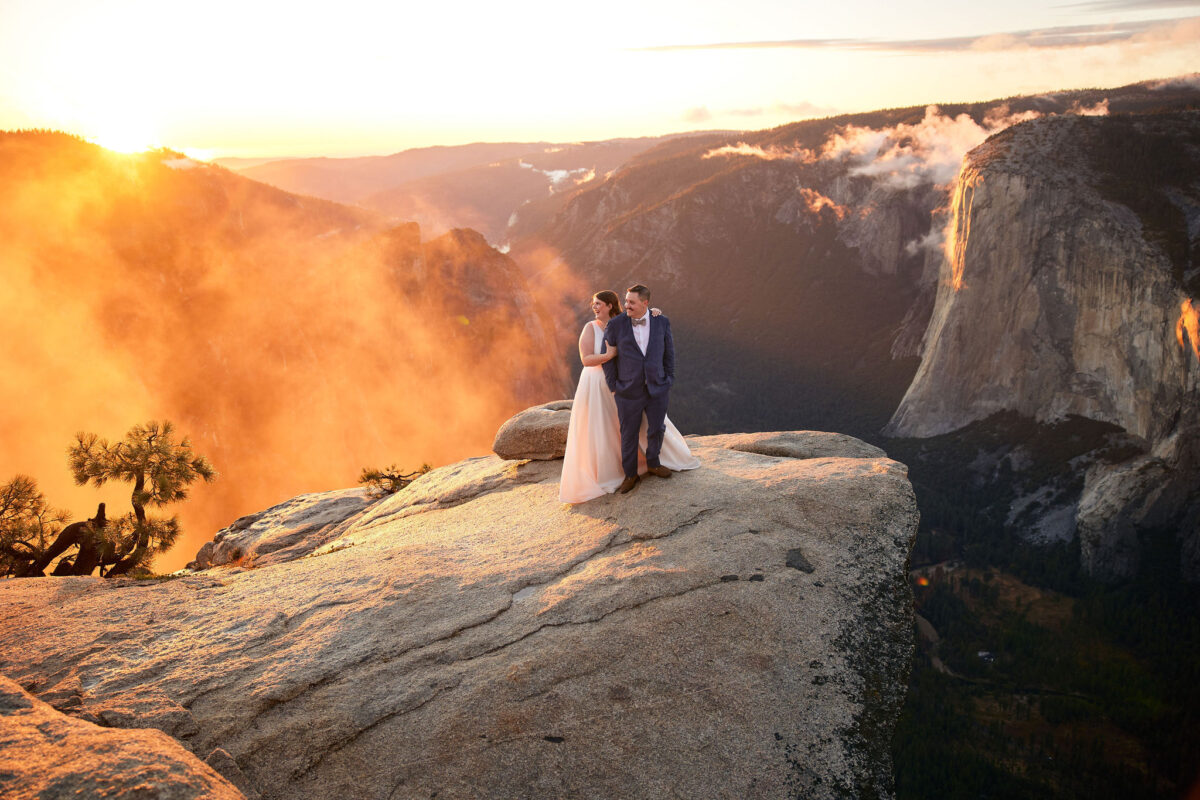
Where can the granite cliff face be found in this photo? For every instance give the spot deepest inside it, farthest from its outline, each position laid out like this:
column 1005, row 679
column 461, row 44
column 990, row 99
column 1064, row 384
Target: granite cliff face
column 1056, row 299
column 1071, row 266
column 742, row 630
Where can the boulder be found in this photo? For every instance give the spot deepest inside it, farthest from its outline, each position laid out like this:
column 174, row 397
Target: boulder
column 798, row 444
column 282, row 532
column 538, row 433
column 742, row 630
column 203, row 559
column 50, row 755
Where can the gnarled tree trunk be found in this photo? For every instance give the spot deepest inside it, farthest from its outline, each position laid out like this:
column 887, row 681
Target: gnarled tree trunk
column 82, row 534
column 141, row 531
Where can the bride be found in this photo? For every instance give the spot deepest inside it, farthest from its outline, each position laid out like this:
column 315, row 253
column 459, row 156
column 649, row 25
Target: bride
column 592, row 463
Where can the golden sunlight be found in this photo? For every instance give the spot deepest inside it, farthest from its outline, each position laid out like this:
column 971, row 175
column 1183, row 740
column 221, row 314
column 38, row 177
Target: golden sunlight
column 1189, row 322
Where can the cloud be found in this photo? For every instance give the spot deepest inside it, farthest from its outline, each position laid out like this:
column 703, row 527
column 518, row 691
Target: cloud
column 1098, row 110
column 697, row 114
column 560, row 177
column 1130, row 5
column 905, row 156
column 928, row 152
column 1065, row 36
column 1179, row 82
column 293, row 359
column 931, row 241
column 754, row 151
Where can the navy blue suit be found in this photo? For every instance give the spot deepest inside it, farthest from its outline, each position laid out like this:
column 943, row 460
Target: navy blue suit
column 640, row 384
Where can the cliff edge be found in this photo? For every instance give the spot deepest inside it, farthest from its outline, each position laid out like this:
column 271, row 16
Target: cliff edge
column 742, row 630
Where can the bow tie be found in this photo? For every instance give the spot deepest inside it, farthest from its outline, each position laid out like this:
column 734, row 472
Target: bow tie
column 641, row 321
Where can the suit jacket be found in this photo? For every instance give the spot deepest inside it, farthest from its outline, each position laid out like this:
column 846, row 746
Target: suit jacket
column 630, row 370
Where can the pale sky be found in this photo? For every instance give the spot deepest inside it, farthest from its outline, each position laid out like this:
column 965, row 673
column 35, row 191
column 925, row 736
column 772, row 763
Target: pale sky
column 245, row 78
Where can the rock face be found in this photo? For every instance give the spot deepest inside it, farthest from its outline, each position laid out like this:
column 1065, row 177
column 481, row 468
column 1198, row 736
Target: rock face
column 50, row 755
column 1154, row 492
column 740, row 631
column 1056, row 299
column 538, row 433
column 1069, row 266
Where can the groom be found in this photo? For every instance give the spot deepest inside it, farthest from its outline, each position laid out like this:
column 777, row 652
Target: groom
column 640, row 378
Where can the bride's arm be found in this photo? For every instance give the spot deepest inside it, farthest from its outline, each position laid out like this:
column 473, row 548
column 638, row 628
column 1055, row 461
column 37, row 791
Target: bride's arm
column 656, row 312
column 587, row 348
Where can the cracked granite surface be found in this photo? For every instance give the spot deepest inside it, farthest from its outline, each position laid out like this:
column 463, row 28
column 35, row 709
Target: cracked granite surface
column 472, row 637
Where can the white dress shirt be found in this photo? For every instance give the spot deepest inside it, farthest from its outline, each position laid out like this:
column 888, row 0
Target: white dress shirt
column 641, row 333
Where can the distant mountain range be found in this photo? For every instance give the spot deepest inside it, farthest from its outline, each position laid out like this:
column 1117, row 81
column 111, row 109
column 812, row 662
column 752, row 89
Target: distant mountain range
column 479, row 186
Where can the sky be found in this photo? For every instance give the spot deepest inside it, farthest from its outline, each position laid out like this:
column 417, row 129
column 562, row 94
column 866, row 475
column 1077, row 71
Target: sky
column 232, row 78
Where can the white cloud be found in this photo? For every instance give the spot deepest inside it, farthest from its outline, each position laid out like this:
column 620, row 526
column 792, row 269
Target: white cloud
column 772, row 154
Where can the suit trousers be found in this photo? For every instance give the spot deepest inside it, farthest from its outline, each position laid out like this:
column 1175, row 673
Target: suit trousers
column 629, row 412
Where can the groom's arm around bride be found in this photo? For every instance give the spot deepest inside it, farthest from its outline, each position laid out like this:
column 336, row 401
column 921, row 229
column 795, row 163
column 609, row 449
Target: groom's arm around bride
column 610, row 338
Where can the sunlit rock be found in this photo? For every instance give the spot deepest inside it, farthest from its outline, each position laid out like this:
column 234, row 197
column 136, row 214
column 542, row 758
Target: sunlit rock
column 539, row 432
column 799, row 444
column 283, row 532
column 50, row 755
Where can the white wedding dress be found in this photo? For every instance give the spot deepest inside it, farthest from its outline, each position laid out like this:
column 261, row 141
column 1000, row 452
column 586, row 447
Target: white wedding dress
column 592, row 463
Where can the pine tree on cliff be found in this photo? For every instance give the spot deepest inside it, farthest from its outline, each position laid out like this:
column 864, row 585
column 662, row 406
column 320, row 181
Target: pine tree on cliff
column 27, row 524
column 160, row 470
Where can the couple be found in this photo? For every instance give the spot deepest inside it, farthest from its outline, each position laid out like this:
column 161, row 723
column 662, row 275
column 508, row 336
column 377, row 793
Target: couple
column 619, row 426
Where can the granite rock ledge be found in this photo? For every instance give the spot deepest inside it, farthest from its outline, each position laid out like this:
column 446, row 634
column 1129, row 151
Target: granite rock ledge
column 740, row 631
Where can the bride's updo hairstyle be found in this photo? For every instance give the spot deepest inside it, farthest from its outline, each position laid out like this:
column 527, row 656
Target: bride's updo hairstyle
column 609, row 299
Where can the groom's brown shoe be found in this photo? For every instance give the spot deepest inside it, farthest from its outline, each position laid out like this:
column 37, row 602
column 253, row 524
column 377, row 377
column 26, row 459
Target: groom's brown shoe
column 627, row 485
column 660, row 471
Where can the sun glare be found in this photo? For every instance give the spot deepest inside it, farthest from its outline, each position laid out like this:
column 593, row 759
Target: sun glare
column 199, row 153
column 125, row 137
